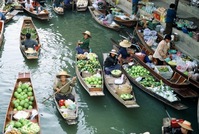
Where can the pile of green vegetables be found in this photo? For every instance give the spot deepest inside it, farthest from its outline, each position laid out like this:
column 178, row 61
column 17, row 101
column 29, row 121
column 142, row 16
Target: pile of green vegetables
column 23, row 97
column 32, row 31
column 7, row 7
column 163, row 69
column 24, row 126
column 88, row 65
column 136, row 71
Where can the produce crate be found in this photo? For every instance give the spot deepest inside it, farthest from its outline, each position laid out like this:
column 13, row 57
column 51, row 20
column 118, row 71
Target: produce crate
column 166, row 75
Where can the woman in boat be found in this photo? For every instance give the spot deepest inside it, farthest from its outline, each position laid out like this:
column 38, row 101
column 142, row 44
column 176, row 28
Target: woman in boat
column 83, row 44
column 185, row 128
column 29, row 6
column 29, row 43
column 124, row 53
column 108, row 19
column 111, row 62
column 161, row 52
column 171, row 15
column 37, row 6
column 64, row 86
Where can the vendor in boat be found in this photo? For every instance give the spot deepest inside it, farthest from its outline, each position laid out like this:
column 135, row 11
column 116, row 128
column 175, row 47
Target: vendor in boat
column 161, row 52
column 64, row 86
column 111, row 62
column 125, row 53
column 29, row 43
column 99, row 4
column 58, row 3
column 135, row 6
column 171, row 15
column 83, row 44
column 185, row 128
column 2, row 16
column 37, row 6
column 109, row 18
column 29, row 6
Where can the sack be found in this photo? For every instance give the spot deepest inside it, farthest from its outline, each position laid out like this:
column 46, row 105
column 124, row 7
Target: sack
column 124, row 89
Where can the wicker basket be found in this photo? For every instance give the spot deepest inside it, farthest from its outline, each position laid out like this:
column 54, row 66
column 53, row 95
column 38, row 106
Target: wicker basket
column 124, row 89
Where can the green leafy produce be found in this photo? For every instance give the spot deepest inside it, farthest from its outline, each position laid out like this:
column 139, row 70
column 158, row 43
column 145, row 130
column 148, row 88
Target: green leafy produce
column 136, row 71
column 116, row 72
column 126, row 96
column 88, row 65
column 163, row 69
column 94, row 80
column 30, row 128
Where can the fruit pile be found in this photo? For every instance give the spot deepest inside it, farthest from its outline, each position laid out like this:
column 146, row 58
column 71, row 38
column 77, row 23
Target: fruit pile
column 88, row 65
column 24, row 126
column 94, row 81
column 136, row 71
column 163, row 69
column 149, row 81
column 126, row 96
column 67, row 108
column 23, row 97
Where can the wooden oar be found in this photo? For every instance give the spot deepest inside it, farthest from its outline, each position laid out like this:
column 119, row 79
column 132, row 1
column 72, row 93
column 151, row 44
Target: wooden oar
column 56, row 92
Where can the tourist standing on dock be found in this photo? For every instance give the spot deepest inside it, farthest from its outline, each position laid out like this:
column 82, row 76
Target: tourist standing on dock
column 135, row 6
column 171, row 15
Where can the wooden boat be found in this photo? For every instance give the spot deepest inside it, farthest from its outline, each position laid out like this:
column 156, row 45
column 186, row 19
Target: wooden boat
column 125, row 22
column 29, row 25
column 81, row 5
column 1, row 31
column 72, row 115
column 10, row 15
column 43, row 15
column 111, row 86
column 58, row 11
column 151, row 51
column 22, row 78
column 95, row 14
column 92, row 90
column 198, row 111
column 179, row 84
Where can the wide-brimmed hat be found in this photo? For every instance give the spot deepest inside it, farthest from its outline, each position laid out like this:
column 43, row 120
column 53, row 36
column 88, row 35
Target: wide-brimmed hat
column 63, row 73
column 113, row 51
column 30, row 50
column 88, row 33
column 125, row 43
column 186, row 124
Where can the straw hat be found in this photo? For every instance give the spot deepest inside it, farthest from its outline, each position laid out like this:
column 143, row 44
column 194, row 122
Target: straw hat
column 186, row 125
column 88, row 33
column 125, row 43
column 113, row 51
column 30, row 50
column 63, row 73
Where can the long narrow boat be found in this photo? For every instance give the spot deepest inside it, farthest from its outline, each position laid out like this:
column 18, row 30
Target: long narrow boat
column 93, row 90
column 43, row 15
column 23, row 78
column 59, row 10
column 81, row 5
column 179, row 84
column 96, row 14
column 151, row 51
column 67, row 114
column 127, row 21
column 1, row 31
column 29, row 27
column 10, row 15
column 111, row 86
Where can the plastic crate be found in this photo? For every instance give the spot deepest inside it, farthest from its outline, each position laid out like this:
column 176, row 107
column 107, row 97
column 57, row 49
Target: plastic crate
column 166, row 75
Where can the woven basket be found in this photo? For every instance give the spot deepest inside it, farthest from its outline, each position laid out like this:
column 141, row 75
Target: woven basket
column 124, row 89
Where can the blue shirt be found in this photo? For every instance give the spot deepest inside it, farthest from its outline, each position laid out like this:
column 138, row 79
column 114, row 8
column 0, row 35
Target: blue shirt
column 2, row 16
column 171, row 15
column 135, row 1
column 123, row 52
column 29, row 43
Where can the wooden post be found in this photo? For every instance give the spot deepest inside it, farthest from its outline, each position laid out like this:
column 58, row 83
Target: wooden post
column 176, row 3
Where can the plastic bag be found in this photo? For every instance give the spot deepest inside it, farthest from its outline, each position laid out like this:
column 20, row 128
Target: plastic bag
column 181, row 65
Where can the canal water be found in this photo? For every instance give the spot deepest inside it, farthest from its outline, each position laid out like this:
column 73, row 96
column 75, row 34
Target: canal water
column 97, row 115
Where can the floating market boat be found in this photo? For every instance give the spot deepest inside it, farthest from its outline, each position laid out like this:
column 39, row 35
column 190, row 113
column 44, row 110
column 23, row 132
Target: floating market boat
column 22, row 112
column 29, row 27
column 113, row 88
column 149, row 49
column 96, row 14
column 82, row 5
column 43, row 15
column 70, row 112
column 89, row 73
column 1, row 31
column 179, row 84
column 58, row 10
column 10, row 15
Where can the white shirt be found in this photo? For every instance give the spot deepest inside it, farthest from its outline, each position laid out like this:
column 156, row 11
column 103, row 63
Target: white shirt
column 161, row 50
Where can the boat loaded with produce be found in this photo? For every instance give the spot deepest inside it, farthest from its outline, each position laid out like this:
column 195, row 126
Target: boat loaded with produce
column 89, row 73
column 68, row 109
column 29, row 27
column 165, row 73
column 22, row 115
column 179, row 62
column 120, row 87
column 96, row 14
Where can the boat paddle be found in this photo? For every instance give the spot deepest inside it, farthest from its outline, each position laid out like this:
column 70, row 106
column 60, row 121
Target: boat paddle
column 55, row 92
